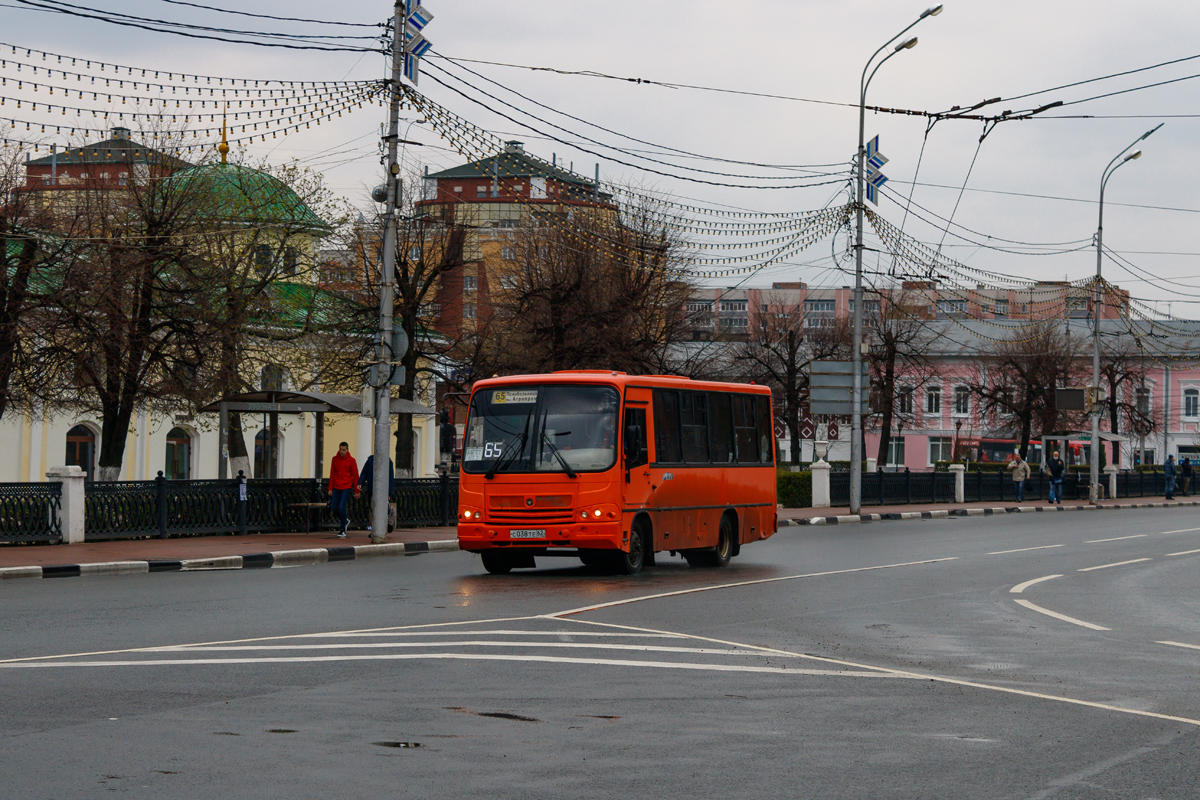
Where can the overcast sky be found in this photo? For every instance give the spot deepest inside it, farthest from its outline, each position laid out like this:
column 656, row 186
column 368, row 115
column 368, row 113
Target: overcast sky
column 1033, row 181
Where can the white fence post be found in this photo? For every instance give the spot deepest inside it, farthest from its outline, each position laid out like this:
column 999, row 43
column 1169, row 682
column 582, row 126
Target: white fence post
column 820, row 484
column 872, row 465
column 1112, row 471
column 960, row 472
column 70, row 515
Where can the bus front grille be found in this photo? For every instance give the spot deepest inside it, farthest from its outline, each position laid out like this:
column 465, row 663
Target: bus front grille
column 515, row 517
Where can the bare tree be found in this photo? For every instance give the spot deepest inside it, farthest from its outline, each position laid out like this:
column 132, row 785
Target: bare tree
column 899, row 360
column 1018, row 378
column 1123, row 371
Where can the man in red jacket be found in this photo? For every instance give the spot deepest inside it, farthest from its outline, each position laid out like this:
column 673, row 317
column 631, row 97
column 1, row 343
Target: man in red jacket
column 343, row 479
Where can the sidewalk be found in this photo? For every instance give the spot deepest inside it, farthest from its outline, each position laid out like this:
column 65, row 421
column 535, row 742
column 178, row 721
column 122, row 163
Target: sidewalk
column 834, row 516
column 214, row 552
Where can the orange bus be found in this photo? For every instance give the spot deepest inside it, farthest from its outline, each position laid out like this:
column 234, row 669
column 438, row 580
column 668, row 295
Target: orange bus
column 612, row 468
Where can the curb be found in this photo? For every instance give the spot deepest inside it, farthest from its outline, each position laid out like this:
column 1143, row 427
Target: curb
column 849, row 519
column 268, row 560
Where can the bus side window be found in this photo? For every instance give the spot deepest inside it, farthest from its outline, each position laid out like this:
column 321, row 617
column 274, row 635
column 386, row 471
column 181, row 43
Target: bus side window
column 720, row 427
column 745, row 429
column 693, row 410
column 766, row 434
column 635, row 419
column 667, row 445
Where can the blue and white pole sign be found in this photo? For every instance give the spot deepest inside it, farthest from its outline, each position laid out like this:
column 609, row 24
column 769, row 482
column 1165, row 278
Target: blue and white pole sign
column 874, row 178
column 416, row 17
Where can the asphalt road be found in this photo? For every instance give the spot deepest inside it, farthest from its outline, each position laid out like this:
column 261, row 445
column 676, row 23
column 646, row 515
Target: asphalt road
column 1022, row 656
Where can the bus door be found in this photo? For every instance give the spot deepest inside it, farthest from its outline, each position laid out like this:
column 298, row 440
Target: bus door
column 635, row 451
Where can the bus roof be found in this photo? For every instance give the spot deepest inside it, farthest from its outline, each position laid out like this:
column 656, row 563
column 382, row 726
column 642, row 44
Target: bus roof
column 620, row 379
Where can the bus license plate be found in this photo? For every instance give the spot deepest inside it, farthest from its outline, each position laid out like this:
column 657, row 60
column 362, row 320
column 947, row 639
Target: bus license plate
column 527, row 533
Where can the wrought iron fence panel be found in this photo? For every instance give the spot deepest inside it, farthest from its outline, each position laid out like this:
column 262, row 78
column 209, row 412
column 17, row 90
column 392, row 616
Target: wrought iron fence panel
column 943, row 487
column 201, row 507
column 894, row 488
column 277, row 504
column 419, row 502
column 922, row 487
column 839, row 489
column 29, row 512
column 120, row 509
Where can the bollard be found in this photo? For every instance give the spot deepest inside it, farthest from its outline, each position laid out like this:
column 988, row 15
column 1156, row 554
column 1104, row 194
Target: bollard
column 242, row 496
column 161, row 504
column 71, row 513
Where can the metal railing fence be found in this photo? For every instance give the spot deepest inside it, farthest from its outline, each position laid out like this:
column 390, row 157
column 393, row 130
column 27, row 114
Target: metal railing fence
column 29, row 512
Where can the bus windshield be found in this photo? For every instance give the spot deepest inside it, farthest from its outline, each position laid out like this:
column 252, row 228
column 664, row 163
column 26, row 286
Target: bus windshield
column 542, row 429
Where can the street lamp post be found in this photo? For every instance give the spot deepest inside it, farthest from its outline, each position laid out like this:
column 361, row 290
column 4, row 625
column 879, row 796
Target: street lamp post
column 1097, row 304
column 856, row 440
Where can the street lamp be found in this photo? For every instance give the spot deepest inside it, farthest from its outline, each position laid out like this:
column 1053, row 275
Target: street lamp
column 1094, row 411
column 856, row 442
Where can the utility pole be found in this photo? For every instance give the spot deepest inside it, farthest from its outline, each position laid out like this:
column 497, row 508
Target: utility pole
column 381, row 374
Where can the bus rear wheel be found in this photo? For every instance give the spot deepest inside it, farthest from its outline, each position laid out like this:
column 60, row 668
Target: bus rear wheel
column 718, row 556
column 496, row 563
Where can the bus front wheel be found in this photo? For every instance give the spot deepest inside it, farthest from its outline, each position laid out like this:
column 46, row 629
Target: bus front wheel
column 496, row 563
column 631, row 563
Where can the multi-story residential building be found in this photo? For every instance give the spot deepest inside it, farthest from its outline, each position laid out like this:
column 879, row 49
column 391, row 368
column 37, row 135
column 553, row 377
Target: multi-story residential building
column 494, row 198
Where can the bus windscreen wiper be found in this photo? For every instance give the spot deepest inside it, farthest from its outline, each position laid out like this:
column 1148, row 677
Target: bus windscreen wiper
column 555, row 451
column 504, row 461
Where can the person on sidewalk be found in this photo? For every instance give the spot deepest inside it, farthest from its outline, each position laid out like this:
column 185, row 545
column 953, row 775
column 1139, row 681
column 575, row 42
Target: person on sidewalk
column 1057, row 470
column 366, row 482
column 1169, row 472
column 1020, row 474
column 343, row 479
column 1185, row 475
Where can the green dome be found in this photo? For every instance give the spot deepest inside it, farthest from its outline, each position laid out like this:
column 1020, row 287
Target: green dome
column 233, row 193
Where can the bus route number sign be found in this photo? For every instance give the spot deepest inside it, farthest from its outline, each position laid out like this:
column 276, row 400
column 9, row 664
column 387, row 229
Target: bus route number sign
column 514, row 397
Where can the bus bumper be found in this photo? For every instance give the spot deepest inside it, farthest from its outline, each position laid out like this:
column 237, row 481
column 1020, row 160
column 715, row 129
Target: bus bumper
column 588, row 536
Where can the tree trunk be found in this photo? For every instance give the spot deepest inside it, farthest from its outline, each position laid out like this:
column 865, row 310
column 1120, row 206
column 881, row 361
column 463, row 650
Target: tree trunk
column 239, row 460
column 404, row 446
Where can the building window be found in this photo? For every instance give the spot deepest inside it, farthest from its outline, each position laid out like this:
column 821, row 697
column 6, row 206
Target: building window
column 1001, row 309
column 869, row 306
column 904, row 400
column 46, row 179
column 123, row 178
column 481, row 190
column 933, row 400
column 430, row 310
column 81, row 449
column 699, row 306
column 941, row 448
column 470, row 283
column 506, row 223
column 262, row 258
column 1142, row 402
column 458, row 190
column 734, row 323
column 952, row 308
column 509, row 282
column 733, row 305
column 291, row 258
column 179, row 455
column 468, row 311
column 1191, row 402
column 508, row 253
column 962, row 401
column 414, row 254
column 895, row 453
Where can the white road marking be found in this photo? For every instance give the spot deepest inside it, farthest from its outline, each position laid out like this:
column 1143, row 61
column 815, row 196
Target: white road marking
column 1185, row 530
column 1024, row 549
column 643, row 648
column 569, row 612
column 1117, row 538
column 349, row 634
column 454, row 657
column 922, row 676
column 1181, row 644
column 1184, row 553
column 1117, row 564
column 1056, row 615
column 1020, row 587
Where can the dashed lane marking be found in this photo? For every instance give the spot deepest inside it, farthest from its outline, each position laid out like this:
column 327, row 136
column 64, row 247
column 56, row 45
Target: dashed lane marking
column 1181, row 644
column 1117, row 564
column 1024, row 549
column 1056, row 615
column 1020, row 587
column 642, row 648
column 1185, row 530
column 1184, row 553
column 1117, row 538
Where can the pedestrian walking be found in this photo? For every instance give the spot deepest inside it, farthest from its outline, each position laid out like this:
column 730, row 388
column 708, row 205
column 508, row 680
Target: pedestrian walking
column 1185, row 475
column 343, row 474
column 1057, row 469
column 366, row 483
column 1020, row 474
column 1170, row 470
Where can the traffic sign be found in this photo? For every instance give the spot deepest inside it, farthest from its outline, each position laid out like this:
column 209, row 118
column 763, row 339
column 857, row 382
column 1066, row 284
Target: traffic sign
column 416, row 17
column 873, row 160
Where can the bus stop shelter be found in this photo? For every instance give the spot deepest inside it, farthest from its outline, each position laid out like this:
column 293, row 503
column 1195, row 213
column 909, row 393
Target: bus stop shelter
column 1065, row 437
column 274, row 403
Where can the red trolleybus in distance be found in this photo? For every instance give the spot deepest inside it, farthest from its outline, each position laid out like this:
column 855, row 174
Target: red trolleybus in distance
column 611, row 468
